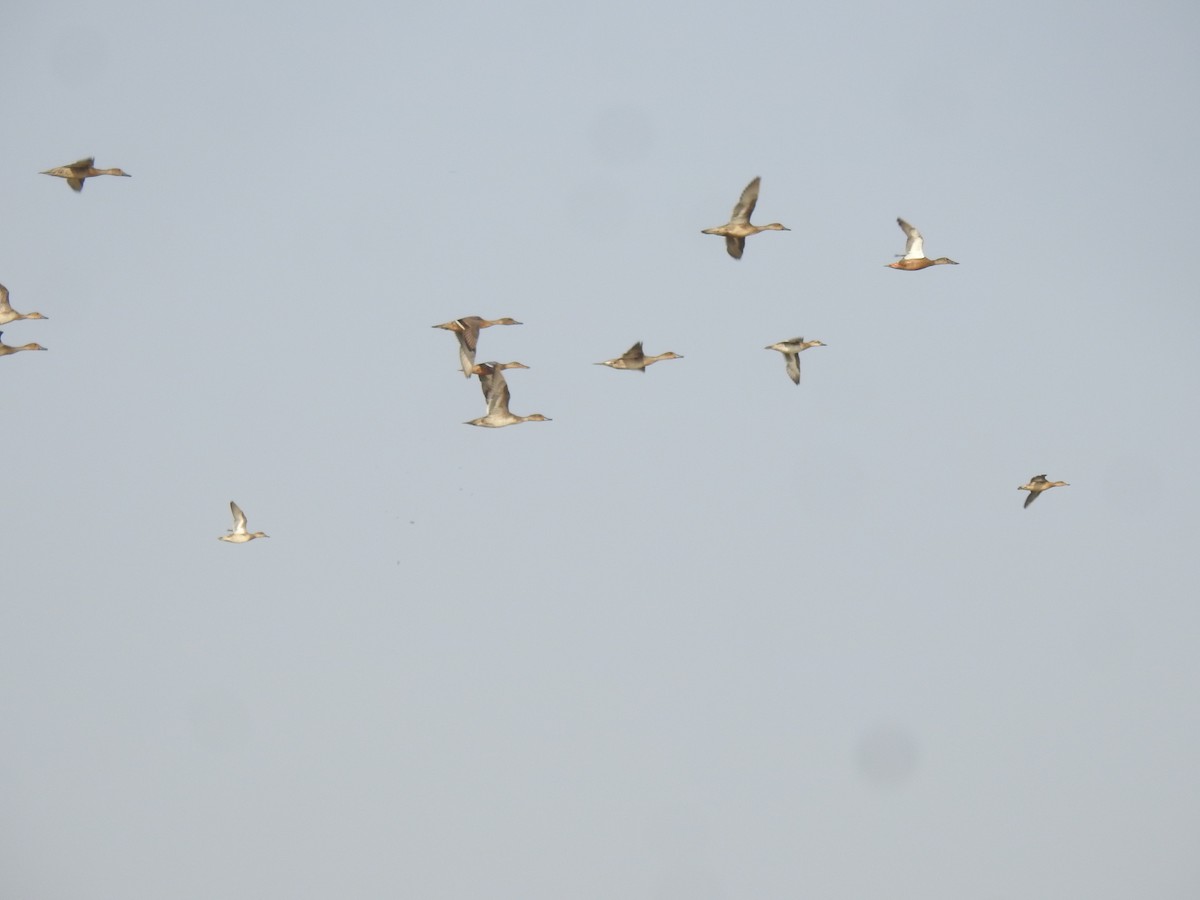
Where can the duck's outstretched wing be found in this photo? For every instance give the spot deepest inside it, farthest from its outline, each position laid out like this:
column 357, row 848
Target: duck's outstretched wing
column 498, row 394
column 915, row 248
column 634, row 353
column 746, row 203
column 793, row 366
column 239, row 518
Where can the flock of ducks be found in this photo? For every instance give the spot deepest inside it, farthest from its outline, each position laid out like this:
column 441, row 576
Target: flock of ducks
column 495, row 388
column 739, row 227
column 496, row 394
column 75, row 173
column 8, row 314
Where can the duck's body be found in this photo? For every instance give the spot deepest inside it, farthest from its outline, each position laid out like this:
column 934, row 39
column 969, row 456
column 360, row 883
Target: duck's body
column 1037, row 484
column 8, row 314
column 6, row 350
column 467, row 331
column 77, row 171
column 739, row 228
column 634, row 359
column 914, row 252
column 495, row 391
column 238, row 533
column 791, row 350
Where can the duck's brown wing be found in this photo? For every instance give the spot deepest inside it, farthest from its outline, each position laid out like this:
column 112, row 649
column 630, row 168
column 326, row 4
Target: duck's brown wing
column 793, row 366
column 468, row 336
column 76, row 184
column 1033, row 495
column 735, row 245
column 466, row 358
column 486, row 372
column 498, row 394
column 634, row 353
column 746, row 203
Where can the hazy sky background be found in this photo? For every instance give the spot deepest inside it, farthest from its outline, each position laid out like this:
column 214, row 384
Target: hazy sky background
column 706, row 635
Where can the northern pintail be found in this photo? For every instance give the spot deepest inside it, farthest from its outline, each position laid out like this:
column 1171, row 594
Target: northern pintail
column 6, row 350
column 1037, row 484
column 467, row 330
column 914, row 252
column 495, row 390
column 791, row 350
column 635, row 359
column 238, row 533
column 77, row 171
column 8, row 314
column 739, row 227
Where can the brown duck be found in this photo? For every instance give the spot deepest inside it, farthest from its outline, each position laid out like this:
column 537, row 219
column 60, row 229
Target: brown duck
column 739, row 228
column 914, row 252
column 77, row 171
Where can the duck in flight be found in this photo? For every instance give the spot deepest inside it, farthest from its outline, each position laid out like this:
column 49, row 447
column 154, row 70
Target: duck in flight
column 6, row 350
column 1037, row 484
column 739, row 228
column 634, row 359
column 77, row 171
column 238, row 533
column 914, row 252
column 8, row 314
column 791, row 350
column 497, row 394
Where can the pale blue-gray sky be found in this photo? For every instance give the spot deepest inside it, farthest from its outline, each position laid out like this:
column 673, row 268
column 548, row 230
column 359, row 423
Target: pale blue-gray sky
column 706, row 635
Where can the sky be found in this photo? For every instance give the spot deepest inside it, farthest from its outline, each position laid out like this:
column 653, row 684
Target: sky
column 705, row 635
